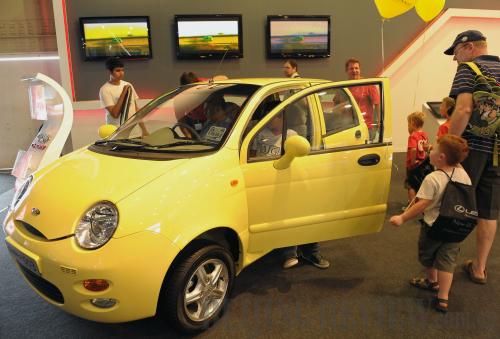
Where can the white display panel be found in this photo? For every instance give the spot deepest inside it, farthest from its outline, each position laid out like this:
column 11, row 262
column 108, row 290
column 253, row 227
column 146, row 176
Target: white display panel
column 50, row 104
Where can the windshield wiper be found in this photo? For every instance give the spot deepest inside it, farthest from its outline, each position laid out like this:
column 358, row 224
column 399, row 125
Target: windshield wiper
column 126, row 141
column 121, row 145
column 183, row 143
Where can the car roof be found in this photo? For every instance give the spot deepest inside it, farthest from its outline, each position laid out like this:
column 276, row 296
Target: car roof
column 268, row 81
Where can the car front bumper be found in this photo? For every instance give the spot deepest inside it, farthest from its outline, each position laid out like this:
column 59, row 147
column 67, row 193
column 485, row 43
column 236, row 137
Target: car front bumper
column 134, row 266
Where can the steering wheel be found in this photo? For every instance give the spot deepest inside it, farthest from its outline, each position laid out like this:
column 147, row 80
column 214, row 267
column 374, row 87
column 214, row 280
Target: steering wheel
column 191, row 129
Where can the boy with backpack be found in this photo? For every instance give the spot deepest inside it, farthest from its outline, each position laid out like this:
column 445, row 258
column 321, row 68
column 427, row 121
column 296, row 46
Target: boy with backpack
column 437, row 256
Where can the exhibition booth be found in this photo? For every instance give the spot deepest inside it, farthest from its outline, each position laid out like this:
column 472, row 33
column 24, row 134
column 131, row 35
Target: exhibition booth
column 168, row 217
column 81, row 72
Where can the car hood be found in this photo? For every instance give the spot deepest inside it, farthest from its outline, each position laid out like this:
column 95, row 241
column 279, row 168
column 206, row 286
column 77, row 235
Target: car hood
column 65, row 189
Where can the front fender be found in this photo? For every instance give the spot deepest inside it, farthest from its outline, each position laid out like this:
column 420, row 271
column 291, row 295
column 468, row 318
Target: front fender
column 182, row 204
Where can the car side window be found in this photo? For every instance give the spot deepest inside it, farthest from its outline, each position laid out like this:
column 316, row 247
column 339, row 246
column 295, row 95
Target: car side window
column 267, row 104
column 338, row 111
column 367, row 98
column 351, row 115
column 294, row 119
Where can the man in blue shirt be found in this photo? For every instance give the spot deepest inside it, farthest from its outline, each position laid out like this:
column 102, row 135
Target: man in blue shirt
column 471, row 46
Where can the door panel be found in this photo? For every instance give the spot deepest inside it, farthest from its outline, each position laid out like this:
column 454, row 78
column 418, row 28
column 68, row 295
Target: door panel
column 325, row 195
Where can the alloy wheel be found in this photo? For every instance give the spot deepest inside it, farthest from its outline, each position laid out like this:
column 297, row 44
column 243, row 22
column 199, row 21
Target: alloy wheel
column 206, row 289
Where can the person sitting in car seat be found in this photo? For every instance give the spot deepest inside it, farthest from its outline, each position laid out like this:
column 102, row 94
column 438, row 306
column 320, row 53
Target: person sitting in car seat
column 268, row 142
column 220, row 115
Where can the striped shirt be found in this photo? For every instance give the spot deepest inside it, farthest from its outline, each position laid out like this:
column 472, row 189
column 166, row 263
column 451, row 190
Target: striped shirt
column 464, row 83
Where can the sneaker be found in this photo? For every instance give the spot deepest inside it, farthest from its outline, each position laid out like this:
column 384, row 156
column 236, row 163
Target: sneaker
column 317, row 260
column 290, row 262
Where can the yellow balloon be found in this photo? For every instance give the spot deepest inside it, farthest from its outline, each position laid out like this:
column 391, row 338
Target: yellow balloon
column 391, row 8
column 429, row 9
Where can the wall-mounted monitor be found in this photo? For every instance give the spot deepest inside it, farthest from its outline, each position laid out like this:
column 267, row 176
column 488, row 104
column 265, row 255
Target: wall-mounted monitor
column 209, row 36
column 127, row 37
column 298, row 36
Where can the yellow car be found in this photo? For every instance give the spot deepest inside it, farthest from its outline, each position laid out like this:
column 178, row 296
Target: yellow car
column 165, row 211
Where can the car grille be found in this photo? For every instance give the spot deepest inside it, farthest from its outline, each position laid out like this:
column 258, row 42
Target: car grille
column 30, row 229
column 43, row 286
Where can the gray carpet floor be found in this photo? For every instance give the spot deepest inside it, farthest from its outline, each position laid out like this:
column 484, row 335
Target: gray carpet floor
column 365, row 293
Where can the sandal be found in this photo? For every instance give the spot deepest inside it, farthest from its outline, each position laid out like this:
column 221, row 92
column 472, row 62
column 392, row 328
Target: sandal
column 425, row 284
column 467, row 267
column 440, row 305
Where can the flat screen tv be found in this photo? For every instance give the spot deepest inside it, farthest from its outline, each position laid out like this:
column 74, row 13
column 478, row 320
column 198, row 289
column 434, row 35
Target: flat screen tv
column 298, row 36
column 209, row 36
column 127, row 37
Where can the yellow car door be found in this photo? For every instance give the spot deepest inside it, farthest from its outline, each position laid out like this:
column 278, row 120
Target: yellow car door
column 339, row 189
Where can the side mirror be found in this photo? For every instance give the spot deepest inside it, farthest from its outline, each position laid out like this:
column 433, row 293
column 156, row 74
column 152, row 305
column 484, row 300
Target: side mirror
column 295, row 146
column 106, row 130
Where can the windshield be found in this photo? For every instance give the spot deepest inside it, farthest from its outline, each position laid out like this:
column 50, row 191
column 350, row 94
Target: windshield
column 190, row 119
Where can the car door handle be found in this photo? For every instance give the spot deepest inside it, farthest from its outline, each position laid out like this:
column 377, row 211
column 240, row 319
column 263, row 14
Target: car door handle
column 369, row 160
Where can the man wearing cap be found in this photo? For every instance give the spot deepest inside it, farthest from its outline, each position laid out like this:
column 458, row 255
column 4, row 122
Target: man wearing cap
column 470, row 46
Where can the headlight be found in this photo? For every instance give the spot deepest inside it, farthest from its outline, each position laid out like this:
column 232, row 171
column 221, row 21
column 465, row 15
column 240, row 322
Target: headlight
column 97, row 225
column 19, row 194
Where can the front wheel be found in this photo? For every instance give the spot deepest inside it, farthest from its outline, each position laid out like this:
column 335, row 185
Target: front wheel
column 199, row 287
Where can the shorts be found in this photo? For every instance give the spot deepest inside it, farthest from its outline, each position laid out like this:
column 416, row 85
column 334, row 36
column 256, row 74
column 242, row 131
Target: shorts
column 437, row 254
column 486, row 179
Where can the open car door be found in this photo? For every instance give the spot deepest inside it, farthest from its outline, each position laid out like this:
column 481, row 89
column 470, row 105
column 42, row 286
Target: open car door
column 340, row 188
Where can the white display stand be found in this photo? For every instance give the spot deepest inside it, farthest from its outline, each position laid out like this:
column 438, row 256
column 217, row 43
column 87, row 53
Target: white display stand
column 49, row 103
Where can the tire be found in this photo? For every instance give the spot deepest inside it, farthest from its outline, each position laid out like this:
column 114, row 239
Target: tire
column 195, row 278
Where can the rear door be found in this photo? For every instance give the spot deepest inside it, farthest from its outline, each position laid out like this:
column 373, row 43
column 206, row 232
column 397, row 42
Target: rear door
column 340, row 189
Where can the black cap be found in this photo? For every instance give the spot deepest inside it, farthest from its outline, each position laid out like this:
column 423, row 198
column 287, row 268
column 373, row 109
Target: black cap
column 465, row 37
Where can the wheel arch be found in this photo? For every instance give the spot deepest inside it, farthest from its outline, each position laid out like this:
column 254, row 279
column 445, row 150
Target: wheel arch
column 223, row 236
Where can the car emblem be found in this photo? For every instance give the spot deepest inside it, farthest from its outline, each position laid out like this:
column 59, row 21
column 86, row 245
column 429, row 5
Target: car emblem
column 35, row 211
column 42, row 138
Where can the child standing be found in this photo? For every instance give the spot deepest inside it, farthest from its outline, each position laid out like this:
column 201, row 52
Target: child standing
column 445, row 109
column 439, row 258
column 418, row 144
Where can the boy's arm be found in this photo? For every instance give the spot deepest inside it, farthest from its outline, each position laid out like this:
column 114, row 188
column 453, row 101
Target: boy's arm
column 413, row 211
column 115, row 109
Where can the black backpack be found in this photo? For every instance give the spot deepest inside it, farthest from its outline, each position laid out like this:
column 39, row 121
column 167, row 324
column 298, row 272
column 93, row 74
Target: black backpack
column 457, row 214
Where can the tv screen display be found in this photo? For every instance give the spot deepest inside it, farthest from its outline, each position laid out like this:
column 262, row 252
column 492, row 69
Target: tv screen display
column 209, row 36
column 124, row 37
column 298, row 36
